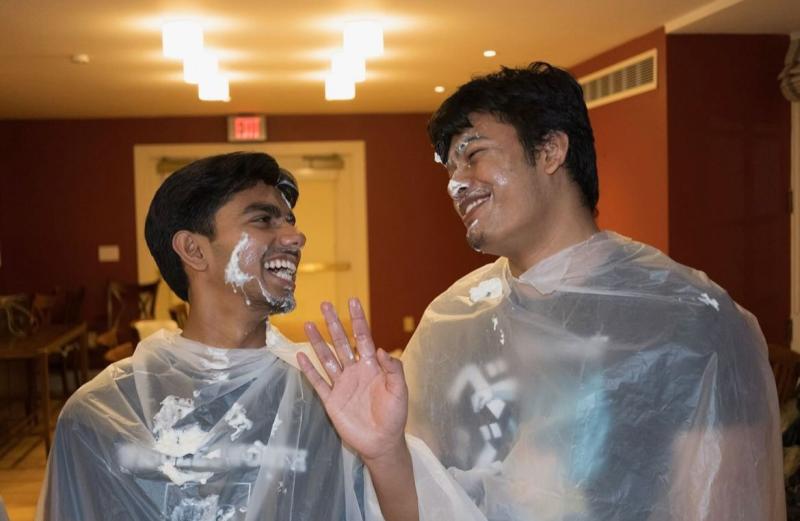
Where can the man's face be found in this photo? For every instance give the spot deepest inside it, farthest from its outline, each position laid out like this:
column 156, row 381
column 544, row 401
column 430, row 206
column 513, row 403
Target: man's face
column 256, row 249
column 499, row 196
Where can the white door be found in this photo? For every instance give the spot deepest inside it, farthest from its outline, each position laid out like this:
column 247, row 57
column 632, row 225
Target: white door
column 331, row 212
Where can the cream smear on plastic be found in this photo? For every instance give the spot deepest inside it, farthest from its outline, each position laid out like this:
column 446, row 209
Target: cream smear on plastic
column 178, row 441
column 236, row 418
column 201, row 509
column 180, row 477
column 217, row 359
column 273, row 339
column 275, row 424
column 487, row 289
column 705, row 299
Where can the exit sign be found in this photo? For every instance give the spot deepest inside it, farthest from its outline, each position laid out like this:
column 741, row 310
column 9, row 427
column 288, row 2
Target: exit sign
column 247, row 128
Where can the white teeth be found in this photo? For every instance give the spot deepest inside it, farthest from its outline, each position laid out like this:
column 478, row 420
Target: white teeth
column 281, row 265
column 283, row 274
column 473, row 204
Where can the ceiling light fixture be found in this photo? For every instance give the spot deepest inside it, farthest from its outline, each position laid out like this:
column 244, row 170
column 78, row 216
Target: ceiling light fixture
column 214, row 88
column 80, row 59
column 349, row 66
column 438, row 89
column 181, row 38
column 364, row 38
column 339, row 88
column 489, row 53
column 199, row 66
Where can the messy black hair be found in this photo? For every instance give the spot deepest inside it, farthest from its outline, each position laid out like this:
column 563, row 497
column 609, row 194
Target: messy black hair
column 536, row 100
column 190, row 198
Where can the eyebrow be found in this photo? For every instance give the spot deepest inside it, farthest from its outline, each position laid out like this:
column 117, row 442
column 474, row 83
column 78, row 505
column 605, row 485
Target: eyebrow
column 268, row 208
column 460, row 147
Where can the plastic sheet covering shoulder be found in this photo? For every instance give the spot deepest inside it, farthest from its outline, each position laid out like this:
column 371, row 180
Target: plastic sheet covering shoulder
column 182, row 431
column 606, row 383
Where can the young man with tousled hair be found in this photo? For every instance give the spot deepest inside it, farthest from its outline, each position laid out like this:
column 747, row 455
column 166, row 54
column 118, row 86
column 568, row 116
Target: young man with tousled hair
column 582, row 376
column 212, row 422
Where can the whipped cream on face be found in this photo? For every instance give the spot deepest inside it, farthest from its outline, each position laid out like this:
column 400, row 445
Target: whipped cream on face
column 454, row 187
column 233, row 271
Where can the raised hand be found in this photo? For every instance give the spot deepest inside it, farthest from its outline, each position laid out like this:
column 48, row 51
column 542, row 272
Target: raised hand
column 367, row 399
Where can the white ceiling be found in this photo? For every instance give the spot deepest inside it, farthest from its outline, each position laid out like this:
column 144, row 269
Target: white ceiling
column 276, row 53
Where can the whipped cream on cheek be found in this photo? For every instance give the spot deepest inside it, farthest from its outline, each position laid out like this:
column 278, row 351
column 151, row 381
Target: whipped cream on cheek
column 233, row 271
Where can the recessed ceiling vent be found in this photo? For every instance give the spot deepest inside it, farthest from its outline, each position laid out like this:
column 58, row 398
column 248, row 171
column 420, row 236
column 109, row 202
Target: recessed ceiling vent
column 621, row 80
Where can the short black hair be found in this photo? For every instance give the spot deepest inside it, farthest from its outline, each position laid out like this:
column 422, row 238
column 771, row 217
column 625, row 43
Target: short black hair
column 536, row 100
column 190, row 198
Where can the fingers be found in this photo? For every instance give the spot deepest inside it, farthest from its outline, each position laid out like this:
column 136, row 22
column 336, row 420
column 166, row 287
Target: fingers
column 361, row 331
column 329, row 362
column 395, row 376
column 317, row 382
column 338, row 335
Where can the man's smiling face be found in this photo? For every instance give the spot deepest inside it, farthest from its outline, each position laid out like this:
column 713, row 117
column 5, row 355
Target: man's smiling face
column 496, row 191
column 256, row 248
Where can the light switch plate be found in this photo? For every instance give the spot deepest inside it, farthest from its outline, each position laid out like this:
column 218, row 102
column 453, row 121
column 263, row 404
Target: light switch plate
column 108, row 253
column 409, row 324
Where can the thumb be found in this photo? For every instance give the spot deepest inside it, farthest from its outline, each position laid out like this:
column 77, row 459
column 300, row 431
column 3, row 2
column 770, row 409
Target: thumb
column 395, row 376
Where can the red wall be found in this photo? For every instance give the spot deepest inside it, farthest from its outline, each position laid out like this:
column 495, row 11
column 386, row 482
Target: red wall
column 729, row 161
column 631, row 140
column 67, row 187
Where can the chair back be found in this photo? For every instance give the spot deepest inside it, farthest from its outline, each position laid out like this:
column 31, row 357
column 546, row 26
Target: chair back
column 44, row 308
column 15, row 319
column 179, row 313
column 72, row 305
column 127, row 303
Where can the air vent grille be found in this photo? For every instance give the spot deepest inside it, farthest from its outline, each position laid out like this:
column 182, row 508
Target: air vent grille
column 622, row 80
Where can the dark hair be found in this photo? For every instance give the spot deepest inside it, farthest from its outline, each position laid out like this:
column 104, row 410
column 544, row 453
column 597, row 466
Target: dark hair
column 189, row 200
column 535, row 100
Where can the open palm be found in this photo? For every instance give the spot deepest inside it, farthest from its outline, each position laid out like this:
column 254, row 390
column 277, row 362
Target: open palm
column 365, row 396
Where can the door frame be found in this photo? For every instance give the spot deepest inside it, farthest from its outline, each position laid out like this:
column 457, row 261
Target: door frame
column 795, row 226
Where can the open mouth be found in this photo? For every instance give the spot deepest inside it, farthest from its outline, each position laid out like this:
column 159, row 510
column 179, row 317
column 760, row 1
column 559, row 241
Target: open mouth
column 283, row 269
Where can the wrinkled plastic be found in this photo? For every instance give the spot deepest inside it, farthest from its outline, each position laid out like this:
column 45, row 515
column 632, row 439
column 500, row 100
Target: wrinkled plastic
column 606, row 383
column 181, row 431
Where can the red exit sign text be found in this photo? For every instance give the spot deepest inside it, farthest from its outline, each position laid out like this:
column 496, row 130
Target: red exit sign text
column 247, row 128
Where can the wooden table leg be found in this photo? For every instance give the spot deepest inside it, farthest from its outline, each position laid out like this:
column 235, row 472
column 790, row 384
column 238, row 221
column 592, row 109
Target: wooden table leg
column 45, row 390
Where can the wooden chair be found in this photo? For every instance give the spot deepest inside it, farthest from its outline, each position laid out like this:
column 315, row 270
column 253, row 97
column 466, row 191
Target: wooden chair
column 49, row 309
column 125, row 304
column 15, row 317
column 43, row 309
column 179, row 313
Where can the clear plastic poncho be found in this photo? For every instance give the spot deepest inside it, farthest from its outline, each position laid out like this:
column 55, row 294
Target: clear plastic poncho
column 606, row 383
column 185, row 432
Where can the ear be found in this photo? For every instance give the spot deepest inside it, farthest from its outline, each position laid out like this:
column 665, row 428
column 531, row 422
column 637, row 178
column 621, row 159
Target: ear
column 190, row 248
column 553, row 152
